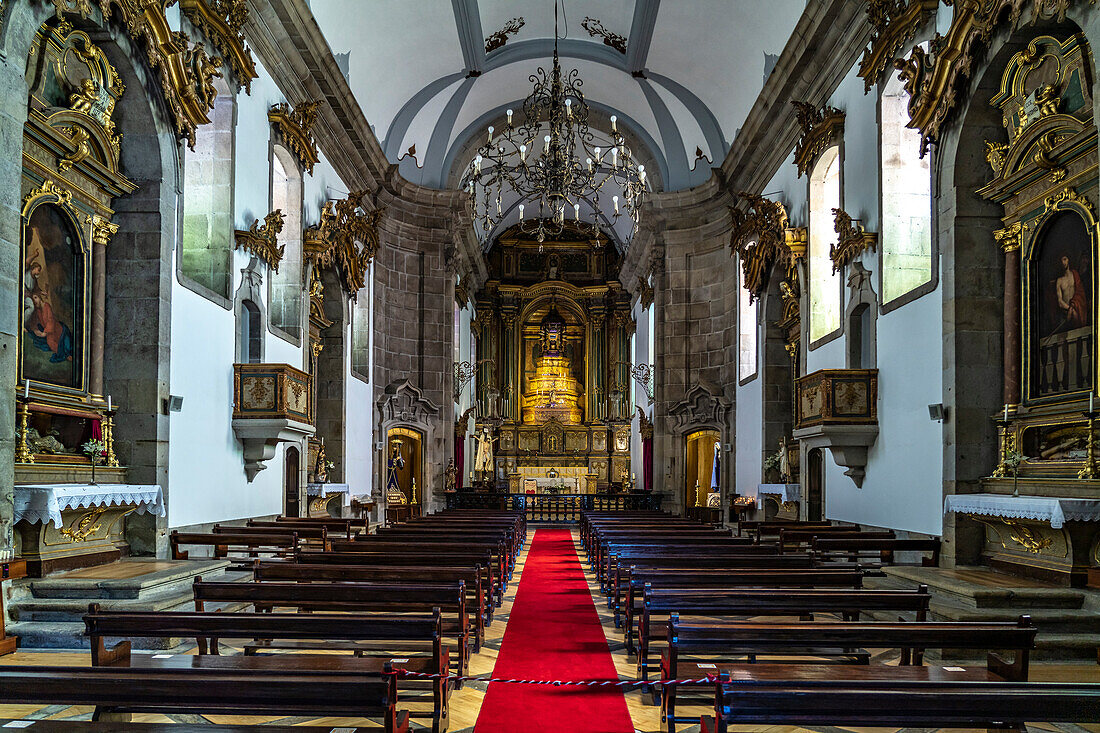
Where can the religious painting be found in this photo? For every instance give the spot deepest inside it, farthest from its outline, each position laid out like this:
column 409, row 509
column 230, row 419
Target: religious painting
column 1062, row 307
column 53, row 298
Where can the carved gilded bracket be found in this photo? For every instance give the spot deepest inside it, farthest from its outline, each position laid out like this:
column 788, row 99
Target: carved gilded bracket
column 853, row 240
column 820, row 129
column 345, row 238
column 1008, row 239
column 262, row 240
column 895, row 22
column 186, row 72
column 758, row 239
column 295, row 127
column 938, row 80
column 645, row 291
column 221, row 21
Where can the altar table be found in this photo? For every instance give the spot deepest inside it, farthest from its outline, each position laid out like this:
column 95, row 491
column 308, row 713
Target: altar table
column 326, row 498
column 1053, row 510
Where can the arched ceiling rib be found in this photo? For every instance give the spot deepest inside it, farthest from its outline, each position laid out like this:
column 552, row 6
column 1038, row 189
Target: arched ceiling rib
column 691, row 71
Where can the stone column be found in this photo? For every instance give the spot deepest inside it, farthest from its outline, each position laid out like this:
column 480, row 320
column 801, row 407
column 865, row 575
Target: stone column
column 101, row 234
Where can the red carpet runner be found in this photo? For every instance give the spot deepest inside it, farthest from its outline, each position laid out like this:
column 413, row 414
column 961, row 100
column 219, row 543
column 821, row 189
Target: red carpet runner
column 553, row 633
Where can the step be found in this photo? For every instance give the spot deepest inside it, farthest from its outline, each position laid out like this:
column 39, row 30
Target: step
column 70, row 635
column 166, row 573
column 1015, row 593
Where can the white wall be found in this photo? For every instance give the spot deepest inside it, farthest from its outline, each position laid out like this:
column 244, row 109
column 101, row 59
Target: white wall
column 903, row 485
column 207, row 482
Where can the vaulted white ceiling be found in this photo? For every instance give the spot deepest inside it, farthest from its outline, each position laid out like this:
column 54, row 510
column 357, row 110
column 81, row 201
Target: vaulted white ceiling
column 691, row 71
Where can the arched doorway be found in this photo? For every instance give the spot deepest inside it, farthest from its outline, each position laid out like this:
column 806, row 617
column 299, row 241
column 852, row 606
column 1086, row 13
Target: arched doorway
column 700, row 449
column 404, row 472
column 815, row 484
column 292, row 482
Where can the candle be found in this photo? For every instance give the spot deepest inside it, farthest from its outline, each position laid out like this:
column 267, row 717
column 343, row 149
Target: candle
column 109, row 403
column 322, row 440
column 1006, row 413
column 509, row 117
column 614, row 123
column 1090, row 401
column 26, row 389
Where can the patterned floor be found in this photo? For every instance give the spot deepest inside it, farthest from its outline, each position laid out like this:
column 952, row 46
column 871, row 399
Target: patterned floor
column 466, row 703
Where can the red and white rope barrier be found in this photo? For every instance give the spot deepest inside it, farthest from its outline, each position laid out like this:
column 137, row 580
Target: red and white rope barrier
column 408, row 674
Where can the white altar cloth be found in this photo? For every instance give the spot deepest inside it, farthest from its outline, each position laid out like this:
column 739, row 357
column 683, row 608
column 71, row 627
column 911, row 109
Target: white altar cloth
column 45, row 503
column 786, row 492
column 1055, row 510
column 326, row 488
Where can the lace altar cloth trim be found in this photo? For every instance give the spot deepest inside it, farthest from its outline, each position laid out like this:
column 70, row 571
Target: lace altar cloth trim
column 1045, row 509
column 45, row 503
column 327, row 488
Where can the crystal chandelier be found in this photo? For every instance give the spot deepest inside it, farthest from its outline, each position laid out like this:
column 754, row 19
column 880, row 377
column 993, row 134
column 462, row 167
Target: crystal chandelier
column 551, row 160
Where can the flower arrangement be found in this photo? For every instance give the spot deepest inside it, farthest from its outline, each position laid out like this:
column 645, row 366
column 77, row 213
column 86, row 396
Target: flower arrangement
column 1012, row 462
column 96, row 450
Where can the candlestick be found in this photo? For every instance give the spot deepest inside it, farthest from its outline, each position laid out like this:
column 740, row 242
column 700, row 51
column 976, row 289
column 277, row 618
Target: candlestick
column 22, row 449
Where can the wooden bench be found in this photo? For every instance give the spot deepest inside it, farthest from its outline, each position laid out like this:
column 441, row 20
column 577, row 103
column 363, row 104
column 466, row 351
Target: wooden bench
column 659, row 535
column 354, row 525
column 629, row 554
column 403, row 533
column 396, row 635
column 177, row 691
column 862, row 548
column 385, row 598
column 902, row 703
column 771, row 527
column 695, row 649
column 251, row 544
column 797, row 539
column 317, row 536
column 339, row 529
column 734, row 576
column 745, row 603
column 371, row 543
column 471, row 576
column 492, row 579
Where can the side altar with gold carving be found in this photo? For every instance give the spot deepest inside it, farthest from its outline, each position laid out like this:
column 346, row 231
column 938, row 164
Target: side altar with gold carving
column 1038, row 507
column 553, row 328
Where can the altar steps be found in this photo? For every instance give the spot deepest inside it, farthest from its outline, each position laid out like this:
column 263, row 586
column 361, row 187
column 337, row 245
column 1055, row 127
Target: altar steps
column 1068, row 618
column 47, row 612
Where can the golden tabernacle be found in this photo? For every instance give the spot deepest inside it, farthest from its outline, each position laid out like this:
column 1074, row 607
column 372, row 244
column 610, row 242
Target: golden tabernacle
column 553, row 392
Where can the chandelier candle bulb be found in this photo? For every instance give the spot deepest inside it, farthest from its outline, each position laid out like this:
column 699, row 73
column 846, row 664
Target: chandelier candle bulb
column 569, row 107
column 521, row 212
column 614, row 123
column 523, row 152
column 509, row 117
column 490, row 133
column 577, row 215
column 615, row 200
column 546, row 143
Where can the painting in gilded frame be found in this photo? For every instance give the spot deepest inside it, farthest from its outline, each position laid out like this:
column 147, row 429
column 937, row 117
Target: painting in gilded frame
column 1062, row 308
column 53, row 284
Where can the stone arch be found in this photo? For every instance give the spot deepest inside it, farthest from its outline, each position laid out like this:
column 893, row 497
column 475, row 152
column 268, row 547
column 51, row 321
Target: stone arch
column 972, row 277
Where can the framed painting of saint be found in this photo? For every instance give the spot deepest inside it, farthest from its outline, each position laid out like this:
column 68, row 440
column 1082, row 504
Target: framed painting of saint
column 53, row 299
column 1061, row 307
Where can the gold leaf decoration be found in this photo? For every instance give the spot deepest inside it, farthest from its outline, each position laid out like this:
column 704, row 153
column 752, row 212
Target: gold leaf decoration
column 895, row 22
column 821, row 127
column 758, row 239
column 295, row 127
column 221, row 22
column 263, row 240
column 346, row 238
column 852, row 241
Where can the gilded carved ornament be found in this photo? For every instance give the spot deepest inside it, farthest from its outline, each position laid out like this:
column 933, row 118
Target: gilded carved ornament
column 758, row 239
column 345, row 238
column 895, row 22
column 1054, row 202
column 102, row 229
column 821, row 127
column 853, row 240
column 221, row 22
column 262, row 240
column 47, row 191
column 938, row 80
column 645, row 425
column 185, row 70
column 295, row 127
column 645, row 292
column 1008, row 239
column 498, row 39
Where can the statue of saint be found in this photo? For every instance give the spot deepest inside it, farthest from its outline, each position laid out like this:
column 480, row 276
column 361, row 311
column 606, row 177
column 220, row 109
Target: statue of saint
column 784, row 460
column 483, row 462
column 450, row 477
column 394, row 494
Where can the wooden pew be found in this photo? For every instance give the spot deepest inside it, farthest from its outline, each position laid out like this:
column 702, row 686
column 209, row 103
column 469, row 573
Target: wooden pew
column 697, row 648
column 796, row 539
column 862, row 548
column 415, row 558
column 744, row 603
column 337, row 529
column 902, row 703
column 730, row 577
column 401, row 533
column 629, row 553
column 657, row 535
column 450, row 598
column 501, row 571
column 397, row 635
column 771, row 527
column 251, row 544
column 315, row 536
column 203, row 691
column 471, row 576
column 355, row 525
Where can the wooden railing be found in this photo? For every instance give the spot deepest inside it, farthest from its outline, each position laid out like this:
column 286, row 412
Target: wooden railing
column 556, row 507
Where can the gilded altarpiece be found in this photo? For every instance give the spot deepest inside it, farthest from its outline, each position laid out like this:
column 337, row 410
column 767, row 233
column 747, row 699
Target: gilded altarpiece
column 554, row 331
column 1044, row 173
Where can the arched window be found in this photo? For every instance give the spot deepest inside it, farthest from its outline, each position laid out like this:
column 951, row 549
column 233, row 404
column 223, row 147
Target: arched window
column 252, row 332
column 824, row 283
column 906, row 199
column 206, row 242
column 360, row 329
column 747, row 334
column 285, row 312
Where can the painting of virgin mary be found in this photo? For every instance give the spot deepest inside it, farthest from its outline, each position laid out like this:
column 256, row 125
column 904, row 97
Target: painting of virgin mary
column 53, row 292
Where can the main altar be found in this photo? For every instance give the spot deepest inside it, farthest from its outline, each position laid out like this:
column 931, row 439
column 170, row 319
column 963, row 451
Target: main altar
column 553, row 381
